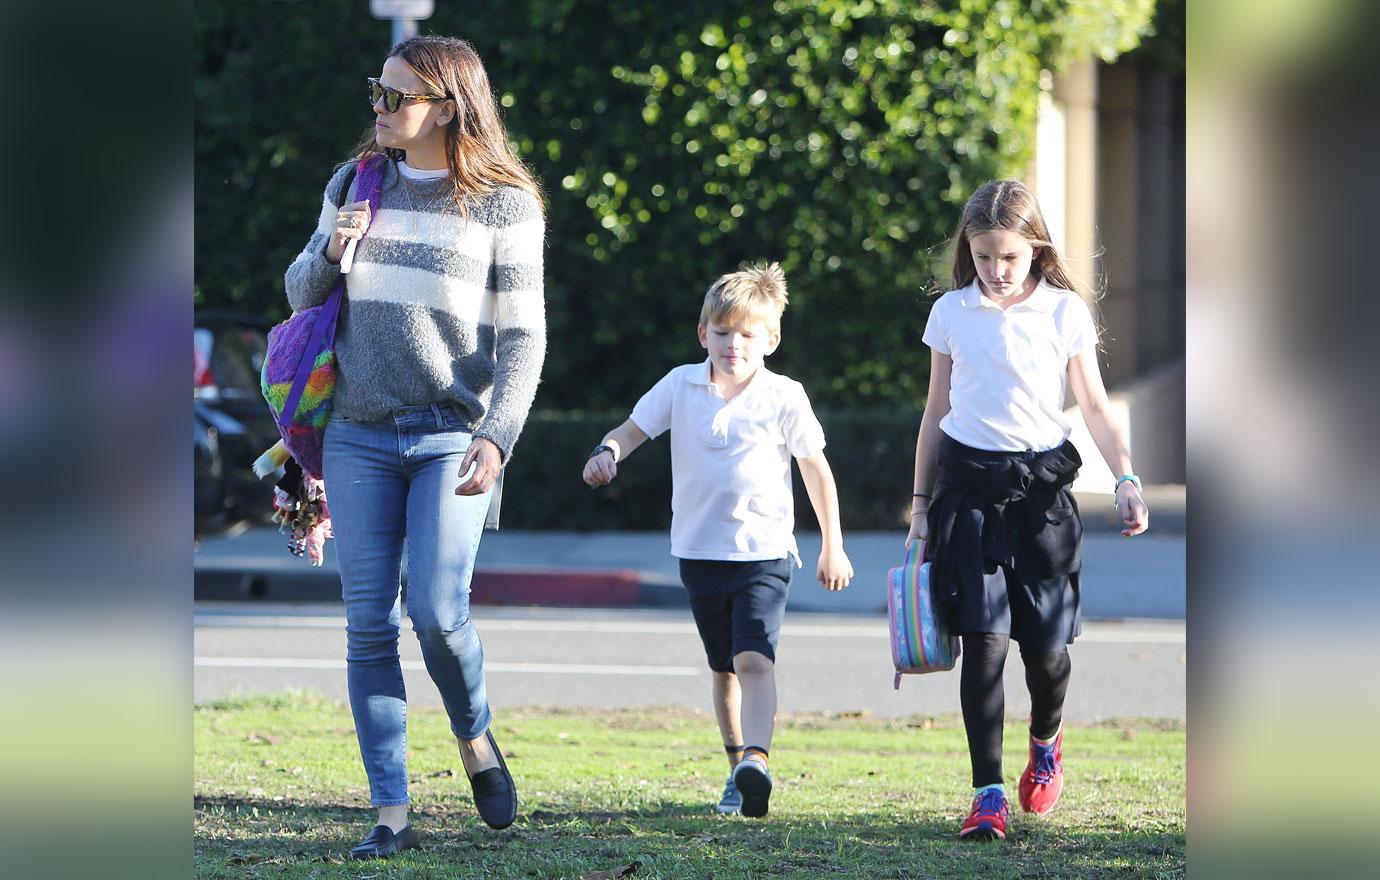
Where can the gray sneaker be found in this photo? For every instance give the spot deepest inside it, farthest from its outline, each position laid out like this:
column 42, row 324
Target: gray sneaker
column 732, row 801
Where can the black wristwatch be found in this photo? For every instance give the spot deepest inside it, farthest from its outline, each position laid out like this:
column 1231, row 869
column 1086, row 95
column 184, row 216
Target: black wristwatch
column 603, row 447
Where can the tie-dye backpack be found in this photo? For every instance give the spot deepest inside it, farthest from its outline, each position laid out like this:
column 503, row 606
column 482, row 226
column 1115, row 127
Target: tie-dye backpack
column 298, row 378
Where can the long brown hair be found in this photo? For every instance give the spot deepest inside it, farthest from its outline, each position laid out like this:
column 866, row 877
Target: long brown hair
column 1008, row 204
column 478, row 153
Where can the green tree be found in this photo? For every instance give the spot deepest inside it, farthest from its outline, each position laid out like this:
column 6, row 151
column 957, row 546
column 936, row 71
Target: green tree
column 675, row 141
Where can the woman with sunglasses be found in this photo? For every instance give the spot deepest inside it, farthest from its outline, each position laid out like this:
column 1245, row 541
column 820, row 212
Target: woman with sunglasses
column 439, row 349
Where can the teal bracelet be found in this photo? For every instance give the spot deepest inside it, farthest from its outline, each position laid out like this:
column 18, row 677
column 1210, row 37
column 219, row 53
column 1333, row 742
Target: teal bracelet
column 1124, row 478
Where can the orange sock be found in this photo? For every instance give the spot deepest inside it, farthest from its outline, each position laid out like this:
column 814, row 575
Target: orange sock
column 755, row 752
column 735, row 755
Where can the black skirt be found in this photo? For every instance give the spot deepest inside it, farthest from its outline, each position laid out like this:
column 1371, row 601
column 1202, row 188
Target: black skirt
column 1043, row 615
column 1006, row 543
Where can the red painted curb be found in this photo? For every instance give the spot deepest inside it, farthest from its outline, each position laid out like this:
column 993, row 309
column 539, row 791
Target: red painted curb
column 555, row 588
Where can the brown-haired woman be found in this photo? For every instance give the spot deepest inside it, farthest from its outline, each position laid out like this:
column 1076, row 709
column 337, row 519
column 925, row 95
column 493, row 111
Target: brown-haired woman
column 439, row 349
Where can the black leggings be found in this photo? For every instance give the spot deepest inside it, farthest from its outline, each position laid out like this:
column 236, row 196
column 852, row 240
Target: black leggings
column 984, row 700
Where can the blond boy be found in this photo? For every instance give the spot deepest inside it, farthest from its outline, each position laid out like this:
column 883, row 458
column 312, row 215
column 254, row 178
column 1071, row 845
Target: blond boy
column 735, row 426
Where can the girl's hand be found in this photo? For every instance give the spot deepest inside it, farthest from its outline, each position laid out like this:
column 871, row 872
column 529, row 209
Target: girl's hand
column 488, row 461
column 919, row 528
column 351, row 221
column 601, row 469
column 834, row 570
column 1134, row 513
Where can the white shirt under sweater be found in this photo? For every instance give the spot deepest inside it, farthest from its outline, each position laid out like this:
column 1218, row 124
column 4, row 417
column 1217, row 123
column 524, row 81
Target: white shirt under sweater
column 1010, row 367
column 731, row 461
column 411, row 173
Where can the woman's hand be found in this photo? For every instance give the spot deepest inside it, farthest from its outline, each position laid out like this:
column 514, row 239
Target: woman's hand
column 1134, row 512
column 488, row 461
column 351, row 222
column 601, row 469
column 919, row 528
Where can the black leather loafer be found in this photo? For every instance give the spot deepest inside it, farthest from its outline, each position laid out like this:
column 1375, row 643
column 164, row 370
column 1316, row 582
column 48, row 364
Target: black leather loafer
column 495, row 796
column 382, row 842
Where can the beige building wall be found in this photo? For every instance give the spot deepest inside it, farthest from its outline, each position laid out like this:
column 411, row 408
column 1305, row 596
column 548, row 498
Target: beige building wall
column 1109, row 173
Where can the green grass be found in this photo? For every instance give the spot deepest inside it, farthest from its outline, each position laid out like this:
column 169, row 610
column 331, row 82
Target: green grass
column 280, row 794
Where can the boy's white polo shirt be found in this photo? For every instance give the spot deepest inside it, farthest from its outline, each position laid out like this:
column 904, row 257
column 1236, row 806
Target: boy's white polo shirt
column 1010, row 367
column 731, row 461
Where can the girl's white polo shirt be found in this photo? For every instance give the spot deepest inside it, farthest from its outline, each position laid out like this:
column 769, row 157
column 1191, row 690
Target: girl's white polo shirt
column 1010, row 368
column 731, row 461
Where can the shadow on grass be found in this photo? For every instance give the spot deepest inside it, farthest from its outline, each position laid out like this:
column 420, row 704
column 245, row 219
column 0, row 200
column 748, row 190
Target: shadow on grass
column 313, row 830
column 287, row 832
column 664, row 810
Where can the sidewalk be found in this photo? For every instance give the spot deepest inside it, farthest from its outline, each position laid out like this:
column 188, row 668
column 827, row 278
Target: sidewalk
column 1143, row 577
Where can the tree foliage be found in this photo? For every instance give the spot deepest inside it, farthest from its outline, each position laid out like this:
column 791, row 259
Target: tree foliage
column 675, row 141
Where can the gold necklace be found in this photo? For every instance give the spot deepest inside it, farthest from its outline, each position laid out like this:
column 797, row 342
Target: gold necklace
column 419, row 196
column 433, row 188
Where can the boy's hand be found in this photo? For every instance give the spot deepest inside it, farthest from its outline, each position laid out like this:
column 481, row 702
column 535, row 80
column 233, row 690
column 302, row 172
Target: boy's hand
column 601, row 469
column 834, row 570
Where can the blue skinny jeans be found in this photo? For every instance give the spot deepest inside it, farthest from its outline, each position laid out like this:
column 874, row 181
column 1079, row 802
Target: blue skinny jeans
column 391, row 484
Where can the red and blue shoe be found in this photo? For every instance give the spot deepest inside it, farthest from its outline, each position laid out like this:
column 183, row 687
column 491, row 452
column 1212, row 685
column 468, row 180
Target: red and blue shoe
column 1043, row 779
column 987, row 821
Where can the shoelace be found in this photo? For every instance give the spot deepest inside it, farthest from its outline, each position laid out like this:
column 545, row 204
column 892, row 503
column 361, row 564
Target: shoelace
column 990, row 802
column 1046, row 766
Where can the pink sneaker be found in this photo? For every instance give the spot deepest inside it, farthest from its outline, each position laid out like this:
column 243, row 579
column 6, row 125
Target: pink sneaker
column 987, row 821
column 1043, row 779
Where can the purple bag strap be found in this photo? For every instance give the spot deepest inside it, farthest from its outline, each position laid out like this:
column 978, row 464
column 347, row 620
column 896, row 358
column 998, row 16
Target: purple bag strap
column 325, row 323
column 368, row 177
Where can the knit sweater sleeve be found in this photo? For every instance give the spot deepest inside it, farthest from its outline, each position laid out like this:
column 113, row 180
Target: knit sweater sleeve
column 311, row 276
column 519, row 315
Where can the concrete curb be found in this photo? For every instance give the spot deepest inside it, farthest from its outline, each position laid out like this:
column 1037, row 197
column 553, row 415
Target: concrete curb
column 1142, row 578
column 511, row 586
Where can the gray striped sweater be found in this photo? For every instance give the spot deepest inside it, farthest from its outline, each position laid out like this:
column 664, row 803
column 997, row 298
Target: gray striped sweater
column 437, row 309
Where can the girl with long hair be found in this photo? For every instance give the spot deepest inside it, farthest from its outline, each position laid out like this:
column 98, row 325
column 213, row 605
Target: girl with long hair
column 993, row 467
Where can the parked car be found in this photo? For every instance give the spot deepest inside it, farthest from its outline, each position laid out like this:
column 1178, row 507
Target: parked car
column 232, row 424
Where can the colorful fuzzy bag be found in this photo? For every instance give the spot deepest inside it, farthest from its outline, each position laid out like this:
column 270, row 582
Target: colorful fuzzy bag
column 920, row 637
column 298, row 378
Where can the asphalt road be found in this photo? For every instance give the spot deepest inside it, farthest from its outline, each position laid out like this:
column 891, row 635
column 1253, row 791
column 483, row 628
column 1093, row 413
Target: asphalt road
column 652, row 657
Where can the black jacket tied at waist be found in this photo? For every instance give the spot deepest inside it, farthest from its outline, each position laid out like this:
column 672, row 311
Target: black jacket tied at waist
column 1002, row 508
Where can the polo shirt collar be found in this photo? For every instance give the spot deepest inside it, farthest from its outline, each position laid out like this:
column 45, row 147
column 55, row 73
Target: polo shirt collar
column 701, row 376
column 1042, row 299
column 971, row 296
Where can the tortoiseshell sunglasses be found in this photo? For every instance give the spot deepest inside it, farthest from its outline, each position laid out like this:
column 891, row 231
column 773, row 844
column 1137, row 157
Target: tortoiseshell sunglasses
column 392, row 98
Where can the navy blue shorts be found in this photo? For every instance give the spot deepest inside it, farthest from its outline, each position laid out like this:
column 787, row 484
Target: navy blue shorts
column 738, row 606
